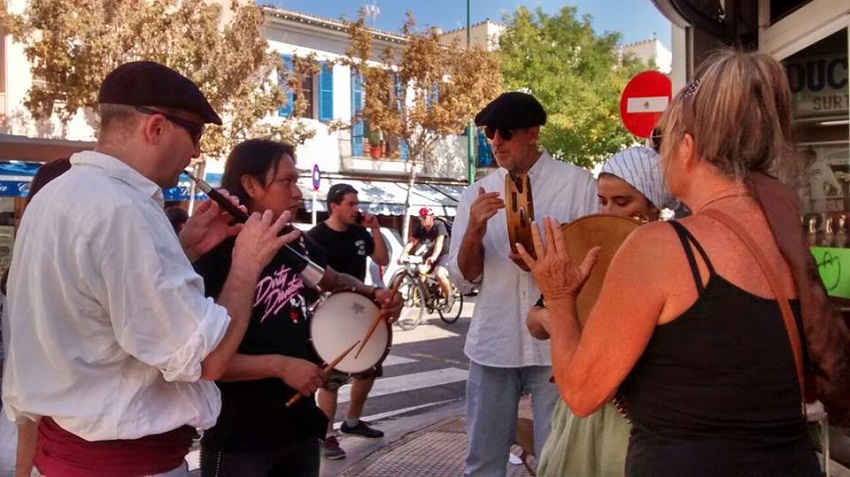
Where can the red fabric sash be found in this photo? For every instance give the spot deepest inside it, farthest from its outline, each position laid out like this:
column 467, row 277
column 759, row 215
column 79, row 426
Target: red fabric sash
column 61, row 453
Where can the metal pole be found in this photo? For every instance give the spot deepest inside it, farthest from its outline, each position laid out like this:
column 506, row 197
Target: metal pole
column 315, row 204
column 470, row 129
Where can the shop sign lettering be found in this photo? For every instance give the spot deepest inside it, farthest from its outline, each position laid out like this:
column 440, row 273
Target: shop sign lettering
column 819, row 85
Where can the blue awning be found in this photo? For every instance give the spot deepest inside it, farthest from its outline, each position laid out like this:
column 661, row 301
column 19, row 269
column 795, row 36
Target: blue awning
column 15, row 178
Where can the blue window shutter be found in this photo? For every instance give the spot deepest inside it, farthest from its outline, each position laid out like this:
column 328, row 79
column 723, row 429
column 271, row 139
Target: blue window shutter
column 405, row 151
column 399, row 95
column 326, row 93
column 398, row 92
column 432, row 96
column 288, row 67
column 485, row 152
column 356, row 109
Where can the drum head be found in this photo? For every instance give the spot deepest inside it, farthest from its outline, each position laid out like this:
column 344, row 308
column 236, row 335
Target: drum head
column 341, row 319
column 603, row 230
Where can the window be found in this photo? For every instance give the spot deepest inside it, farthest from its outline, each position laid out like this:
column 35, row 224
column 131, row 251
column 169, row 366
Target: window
column 307, row 95
column 323, row 81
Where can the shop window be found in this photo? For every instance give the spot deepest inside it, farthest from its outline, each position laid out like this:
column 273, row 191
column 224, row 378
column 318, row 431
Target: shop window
column 818, row 76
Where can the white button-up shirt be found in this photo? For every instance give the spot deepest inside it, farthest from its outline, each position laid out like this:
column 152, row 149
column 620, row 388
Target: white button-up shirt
column 498, row 335
column 108, row 320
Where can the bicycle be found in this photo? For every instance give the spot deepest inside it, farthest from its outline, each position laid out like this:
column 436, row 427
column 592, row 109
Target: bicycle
column 421, row 292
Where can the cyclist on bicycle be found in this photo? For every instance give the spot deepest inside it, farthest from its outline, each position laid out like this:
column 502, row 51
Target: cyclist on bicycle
column 430, row 240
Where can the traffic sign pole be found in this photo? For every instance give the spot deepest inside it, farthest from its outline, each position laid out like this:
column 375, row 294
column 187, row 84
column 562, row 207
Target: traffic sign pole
column 316, row 177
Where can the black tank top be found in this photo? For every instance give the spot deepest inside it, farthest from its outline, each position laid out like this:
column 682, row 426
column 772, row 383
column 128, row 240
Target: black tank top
column 716, row 392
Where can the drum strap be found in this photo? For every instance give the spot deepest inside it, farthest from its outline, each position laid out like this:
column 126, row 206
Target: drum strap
column 773, row 280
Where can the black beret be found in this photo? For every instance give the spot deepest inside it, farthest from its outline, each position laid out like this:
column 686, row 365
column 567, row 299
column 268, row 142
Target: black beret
column 145, row 83
column 512, row 110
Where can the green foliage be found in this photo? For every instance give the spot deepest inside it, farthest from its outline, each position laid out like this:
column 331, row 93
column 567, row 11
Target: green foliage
column 72, row 45
column 577, row 76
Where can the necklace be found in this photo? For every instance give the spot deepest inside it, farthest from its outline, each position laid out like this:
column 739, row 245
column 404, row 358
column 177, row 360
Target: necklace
column 723, row 195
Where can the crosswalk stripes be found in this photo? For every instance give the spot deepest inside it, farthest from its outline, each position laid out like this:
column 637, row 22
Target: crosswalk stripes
column 410, row 382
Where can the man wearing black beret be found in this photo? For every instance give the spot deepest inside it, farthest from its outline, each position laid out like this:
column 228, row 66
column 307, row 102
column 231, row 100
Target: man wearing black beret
column 113, row 345
column 505, row 360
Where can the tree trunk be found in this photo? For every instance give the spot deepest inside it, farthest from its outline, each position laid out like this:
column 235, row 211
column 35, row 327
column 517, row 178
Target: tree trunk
column 405, row 228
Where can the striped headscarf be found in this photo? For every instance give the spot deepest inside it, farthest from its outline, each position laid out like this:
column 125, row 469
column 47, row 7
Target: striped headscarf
column 640, row 166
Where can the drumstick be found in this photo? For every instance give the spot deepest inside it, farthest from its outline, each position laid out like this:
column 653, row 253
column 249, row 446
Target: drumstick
column 377, row 320
column 326, row 369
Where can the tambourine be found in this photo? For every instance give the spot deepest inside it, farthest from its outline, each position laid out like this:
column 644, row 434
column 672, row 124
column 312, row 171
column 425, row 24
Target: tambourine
column 519, row 211
column 580, row 235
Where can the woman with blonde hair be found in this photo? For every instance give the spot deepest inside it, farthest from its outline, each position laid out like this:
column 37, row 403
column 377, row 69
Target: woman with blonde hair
column 700, row 354
column 630, row 184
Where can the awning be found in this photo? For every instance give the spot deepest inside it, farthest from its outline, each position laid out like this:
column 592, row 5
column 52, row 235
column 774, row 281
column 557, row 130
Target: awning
column 380, row 197
column 22, row 148
column 15, row 178
column 388, row 198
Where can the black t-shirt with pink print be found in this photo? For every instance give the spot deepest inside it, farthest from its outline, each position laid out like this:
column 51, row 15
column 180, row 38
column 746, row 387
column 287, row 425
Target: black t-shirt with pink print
column 254, row 415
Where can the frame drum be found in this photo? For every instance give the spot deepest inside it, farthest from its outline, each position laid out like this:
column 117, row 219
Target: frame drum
column 343, row 318
column 580, row 235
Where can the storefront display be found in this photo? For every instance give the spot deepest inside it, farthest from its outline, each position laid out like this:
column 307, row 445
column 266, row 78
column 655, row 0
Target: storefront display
column 818, row 76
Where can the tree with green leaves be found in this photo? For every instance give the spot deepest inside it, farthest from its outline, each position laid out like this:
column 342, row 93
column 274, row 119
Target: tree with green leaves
column 72, row 45
column 576, row 74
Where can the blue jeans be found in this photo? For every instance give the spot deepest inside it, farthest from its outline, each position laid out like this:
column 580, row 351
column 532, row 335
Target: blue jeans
column 492, row 403
column 294, row 459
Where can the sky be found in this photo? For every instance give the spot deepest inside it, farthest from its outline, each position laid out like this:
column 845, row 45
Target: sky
column 635, row 20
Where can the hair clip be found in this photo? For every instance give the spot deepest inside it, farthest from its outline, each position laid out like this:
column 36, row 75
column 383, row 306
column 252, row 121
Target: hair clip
column 693, row 88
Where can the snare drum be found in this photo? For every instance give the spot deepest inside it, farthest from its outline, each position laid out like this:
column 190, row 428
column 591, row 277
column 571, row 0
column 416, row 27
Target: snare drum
column 341, row 319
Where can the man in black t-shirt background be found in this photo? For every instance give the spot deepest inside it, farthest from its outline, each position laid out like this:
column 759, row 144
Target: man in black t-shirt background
column 347, row 243
column 430, row 240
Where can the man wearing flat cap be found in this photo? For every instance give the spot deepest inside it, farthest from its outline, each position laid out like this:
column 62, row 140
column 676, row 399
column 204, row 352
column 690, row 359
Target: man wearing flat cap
column 505, row 360
column 113, row 345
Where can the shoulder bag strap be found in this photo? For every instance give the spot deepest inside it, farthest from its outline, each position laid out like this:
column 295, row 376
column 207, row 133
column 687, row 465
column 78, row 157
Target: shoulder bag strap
column 787, row 314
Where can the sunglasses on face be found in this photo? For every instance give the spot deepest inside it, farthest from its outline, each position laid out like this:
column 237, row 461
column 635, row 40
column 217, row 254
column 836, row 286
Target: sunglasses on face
column 195, row 130
column 505, row 134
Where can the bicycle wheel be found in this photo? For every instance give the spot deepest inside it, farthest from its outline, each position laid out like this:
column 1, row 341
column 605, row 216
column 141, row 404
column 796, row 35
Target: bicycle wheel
column 452, row 314
column 414, row 304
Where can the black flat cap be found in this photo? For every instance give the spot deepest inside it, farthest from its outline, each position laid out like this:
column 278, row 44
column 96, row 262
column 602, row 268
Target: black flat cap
column 145, row 83
column 512, row 110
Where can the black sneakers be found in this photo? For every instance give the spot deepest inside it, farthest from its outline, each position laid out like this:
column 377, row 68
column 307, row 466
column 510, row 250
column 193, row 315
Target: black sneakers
column 361, row 429
column 331, row 449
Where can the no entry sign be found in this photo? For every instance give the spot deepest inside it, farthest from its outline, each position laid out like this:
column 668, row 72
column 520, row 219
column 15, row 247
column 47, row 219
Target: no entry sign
column 644, row 99
column 316, row 177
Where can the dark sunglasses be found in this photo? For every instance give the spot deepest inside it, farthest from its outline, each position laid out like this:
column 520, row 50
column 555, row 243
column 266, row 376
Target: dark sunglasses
column 195, row 130
column 655, row 140
column 506, row 134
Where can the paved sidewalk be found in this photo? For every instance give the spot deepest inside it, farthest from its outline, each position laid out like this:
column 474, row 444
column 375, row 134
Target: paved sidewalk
column 427, row 445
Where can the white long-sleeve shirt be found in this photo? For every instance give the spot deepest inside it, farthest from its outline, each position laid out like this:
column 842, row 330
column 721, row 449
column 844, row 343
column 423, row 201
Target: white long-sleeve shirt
column 108, row 320
column 498, row 335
